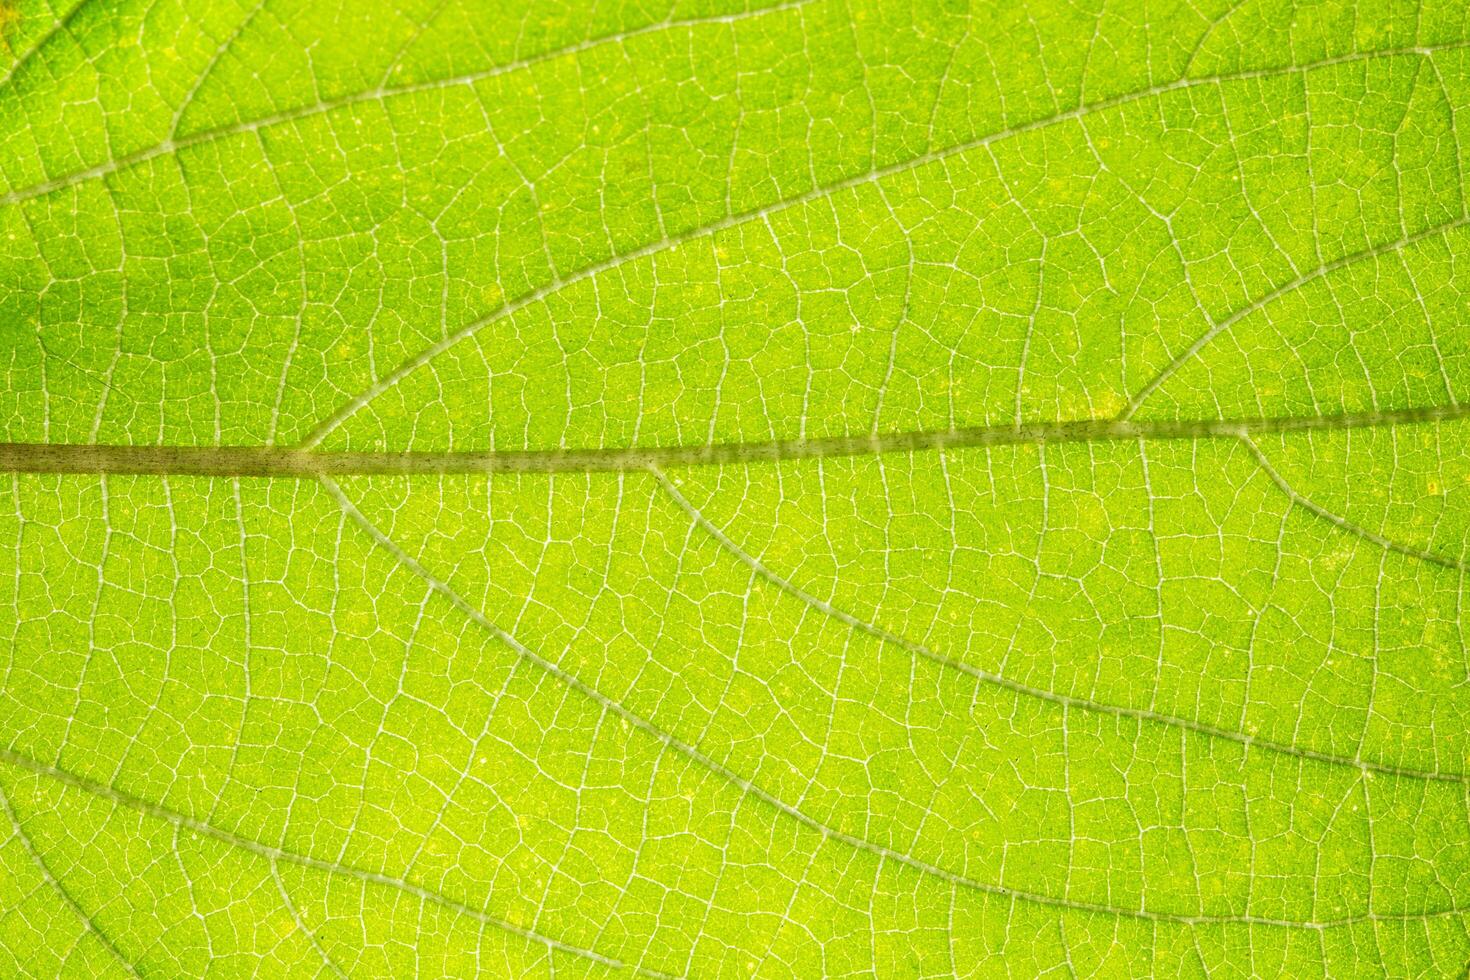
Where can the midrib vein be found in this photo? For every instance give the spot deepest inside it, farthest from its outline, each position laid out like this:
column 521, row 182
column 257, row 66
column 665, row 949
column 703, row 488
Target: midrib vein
column 273, row 461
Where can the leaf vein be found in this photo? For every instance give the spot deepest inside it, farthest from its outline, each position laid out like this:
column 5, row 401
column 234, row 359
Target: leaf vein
column 205, row 828
column 273, row 461
column 89, row 924
column 748, row 788
column 999, row 680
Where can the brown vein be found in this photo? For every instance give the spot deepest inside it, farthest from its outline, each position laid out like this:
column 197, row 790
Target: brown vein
column 275, row 461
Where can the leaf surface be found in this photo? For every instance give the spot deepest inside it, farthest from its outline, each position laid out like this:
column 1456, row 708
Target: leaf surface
column 805, row 489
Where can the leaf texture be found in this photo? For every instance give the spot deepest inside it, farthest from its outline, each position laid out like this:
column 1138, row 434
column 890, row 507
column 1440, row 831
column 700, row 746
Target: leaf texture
column 816, row 488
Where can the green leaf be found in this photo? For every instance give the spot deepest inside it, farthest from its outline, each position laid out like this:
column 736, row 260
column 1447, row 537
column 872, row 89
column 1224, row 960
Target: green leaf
column 870, row 488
